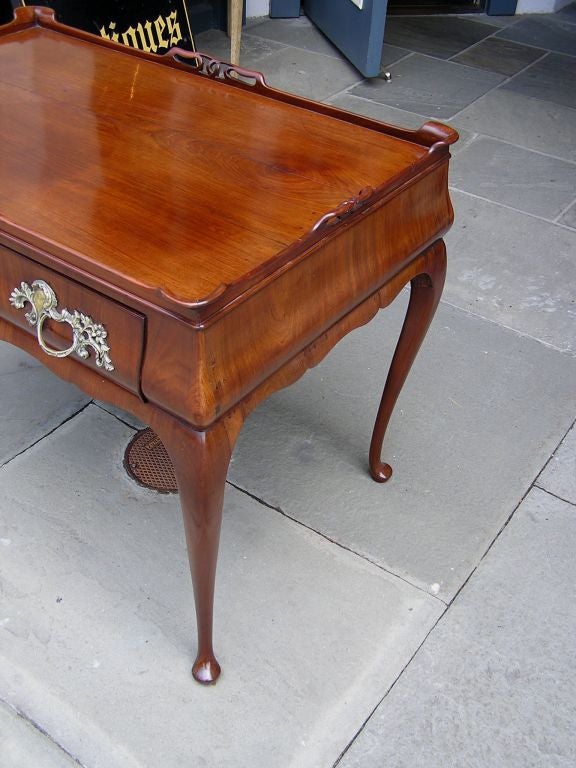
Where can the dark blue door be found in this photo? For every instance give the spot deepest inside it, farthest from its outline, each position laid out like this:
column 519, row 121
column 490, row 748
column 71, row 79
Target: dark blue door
column 356, row 27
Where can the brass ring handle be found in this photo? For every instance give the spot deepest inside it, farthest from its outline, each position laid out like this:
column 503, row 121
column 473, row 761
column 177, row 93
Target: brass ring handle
column 85, row 332
column 49, row 350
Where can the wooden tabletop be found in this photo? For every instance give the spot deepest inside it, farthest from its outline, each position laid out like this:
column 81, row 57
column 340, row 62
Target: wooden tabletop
column 182, row 182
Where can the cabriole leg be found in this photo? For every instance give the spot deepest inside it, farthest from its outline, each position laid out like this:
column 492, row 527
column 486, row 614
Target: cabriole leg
column 200, row 462
column 425, row 291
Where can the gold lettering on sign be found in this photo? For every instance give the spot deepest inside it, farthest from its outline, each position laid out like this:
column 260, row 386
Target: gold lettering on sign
column 147, row 36
column 129, row 37
column 160, row 26
column 113, row 35
column 173, row 28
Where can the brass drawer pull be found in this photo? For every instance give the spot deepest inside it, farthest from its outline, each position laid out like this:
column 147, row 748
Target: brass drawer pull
column 86, row 333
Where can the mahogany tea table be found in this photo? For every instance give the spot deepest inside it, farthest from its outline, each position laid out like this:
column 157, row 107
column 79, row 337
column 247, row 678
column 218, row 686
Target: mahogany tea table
column 181, row 240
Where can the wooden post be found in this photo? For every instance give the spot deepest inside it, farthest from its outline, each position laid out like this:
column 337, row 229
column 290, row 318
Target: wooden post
column 235, row 8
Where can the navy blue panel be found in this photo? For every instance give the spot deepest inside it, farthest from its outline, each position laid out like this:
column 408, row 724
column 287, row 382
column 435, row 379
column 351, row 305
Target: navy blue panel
column 501, row 7
column 284, row 9
column 359, row 34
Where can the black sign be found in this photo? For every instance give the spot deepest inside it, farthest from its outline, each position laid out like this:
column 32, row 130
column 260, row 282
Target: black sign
column 6, row 11
column 150, row 25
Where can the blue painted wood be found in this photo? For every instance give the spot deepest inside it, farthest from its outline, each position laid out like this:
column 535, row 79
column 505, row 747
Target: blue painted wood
column 501, row 7
column 284, row 9
column 359, row 34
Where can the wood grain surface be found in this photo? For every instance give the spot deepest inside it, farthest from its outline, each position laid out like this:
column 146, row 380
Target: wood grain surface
column 225, row 183
column 227, row 235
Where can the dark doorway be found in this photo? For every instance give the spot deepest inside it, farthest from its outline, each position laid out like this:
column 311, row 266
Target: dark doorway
column 6, row 11
column 428, row 7
column 208, row 14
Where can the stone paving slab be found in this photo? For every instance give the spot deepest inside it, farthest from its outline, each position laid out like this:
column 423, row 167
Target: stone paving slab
column 123, row 415
column 34, row 401
column 24, row 746
column 299, row 33
column 494, row 683
column 97, row 629
column 567, row 13
column 513, row 269
column 519, row 178
column 559, row 475
column 253, row 50
column 480, row 414
column 378, row 111
column 543, row 32
column 498, row 55
column 551, row 79
column 523, row 120
column 441, row 36
column 312, row 75
column 569, row 217
column 428, row 86
column 494, row 21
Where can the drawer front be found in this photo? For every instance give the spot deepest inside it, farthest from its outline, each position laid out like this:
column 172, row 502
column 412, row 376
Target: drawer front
column 70, row 320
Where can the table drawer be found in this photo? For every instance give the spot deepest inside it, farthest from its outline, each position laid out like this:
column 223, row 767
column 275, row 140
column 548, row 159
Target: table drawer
column 70, row 320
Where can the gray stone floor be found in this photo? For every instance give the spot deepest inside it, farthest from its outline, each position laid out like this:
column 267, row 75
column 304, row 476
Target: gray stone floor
column 425, row 623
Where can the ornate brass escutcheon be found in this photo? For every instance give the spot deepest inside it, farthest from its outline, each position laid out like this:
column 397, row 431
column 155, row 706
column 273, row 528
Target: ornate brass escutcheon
column 85, row 332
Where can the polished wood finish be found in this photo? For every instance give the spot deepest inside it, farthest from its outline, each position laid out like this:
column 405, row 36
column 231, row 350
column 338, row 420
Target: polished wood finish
column 425, row 291
column 226, row 234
